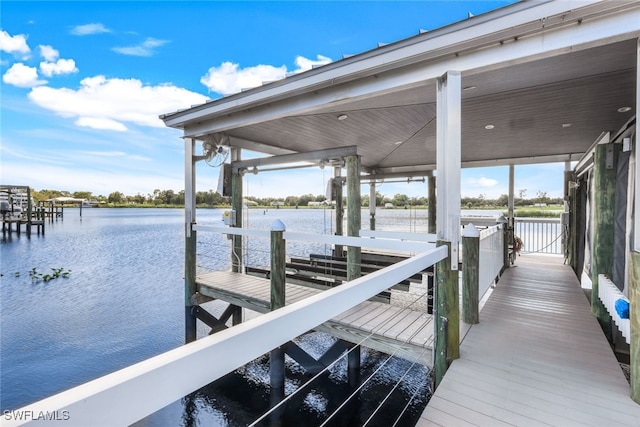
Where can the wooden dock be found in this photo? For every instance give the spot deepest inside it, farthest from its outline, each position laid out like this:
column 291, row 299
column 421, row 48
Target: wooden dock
column 15, row 224
column 394, row 330
column 537, row 357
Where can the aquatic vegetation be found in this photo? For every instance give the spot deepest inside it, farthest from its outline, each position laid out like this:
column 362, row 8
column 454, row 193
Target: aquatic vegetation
column 46, row 277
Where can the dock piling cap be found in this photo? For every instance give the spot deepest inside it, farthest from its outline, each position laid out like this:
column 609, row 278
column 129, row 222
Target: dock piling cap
column 278, row 226
column 470, row 230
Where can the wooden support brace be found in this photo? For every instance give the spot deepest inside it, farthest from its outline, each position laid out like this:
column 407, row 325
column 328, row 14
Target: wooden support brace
column 228, row 312
column 313, row 366
column 209, row 319
column 304, row 359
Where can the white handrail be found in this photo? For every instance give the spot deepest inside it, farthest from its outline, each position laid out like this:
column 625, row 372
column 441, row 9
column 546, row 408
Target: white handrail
column 361, row 242
column 236, row 231
column 114, row 399
column 415, row 246
column 398, row 235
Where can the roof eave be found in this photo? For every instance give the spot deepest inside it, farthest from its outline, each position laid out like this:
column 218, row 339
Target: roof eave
column 474, row 33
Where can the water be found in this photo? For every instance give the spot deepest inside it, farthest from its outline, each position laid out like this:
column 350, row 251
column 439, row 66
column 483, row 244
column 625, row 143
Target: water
column 122, row 303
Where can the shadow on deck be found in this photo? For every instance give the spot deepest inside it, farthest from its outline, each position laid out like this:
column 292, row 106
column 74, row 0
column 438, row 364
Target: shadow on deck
column 537, row 357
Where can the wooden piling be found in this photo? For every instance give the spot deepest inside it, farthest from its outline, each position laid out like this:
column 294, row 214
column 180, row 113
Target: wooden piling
column 278, row 274
column 278, row 269
column 372, row 205
column 431, row 209
column 605, row 171
column 634, row 318
column 447, row 315
column 470, row 271
column 572, row 204
column 236, row 206
column 354, row 254
column 354, row 218
column 337, row 186
column 505, row 242
column 190, row 286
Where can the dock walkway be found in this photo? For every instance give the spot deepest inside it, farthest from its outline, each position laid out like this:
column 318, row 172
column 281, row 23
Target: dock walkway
column 394, row 330
column 536, row 358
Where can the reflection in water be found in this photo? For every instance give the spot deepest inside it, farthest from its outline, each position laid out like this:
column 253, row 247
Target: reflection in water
column 243, row 396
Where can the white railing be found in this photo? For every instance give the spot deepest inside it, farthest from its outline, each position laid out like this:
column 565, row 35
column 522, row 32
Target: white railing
column 414, row 244
column 114, row 399
column 540, row 235
column 491, row 257
column 609, row 293
column 398, row 235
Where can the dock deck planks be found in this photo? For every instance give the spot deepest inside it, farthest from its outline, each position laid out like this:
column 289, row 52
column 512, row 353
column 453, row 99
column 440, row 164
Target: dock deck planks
column 386, row 328
column 537, row 357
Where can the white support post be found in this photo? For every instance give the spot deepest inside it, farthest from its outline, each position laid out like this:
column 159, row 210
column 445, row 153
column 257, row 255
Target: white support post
column 449, row 136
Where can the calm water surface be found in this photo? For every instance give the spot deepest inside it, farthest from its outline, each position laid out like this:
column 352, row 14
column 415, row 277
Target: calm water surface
column 122, row 303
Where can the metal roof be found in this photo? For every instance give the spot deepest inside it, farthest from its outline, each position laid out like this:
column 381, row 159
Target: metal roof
column 548, row 76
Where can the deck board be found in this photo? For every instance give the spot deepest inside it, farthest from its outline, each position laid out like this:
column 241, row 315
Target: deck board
column 537, row 357
column 378, row 325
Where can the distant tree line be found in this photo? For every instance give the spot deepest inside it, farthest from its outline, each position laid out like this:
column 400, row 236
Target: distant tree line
column 211, row 198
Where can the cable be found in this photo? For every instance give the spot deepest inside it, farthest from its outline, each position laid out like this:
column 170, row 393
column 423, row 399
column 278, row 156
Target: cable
column 545, row 247
column 302, row 387
column 391, row 392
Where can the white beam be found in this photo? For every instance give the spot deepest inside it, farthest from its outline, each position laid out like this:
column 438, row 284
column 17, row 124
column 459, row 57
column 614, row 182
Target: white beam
column 449, row 139
column 327, row 154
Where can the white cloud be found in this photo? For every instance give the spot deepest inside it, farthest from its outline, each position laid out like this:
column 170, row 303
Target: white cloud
column 146, row 48
column 61, row 66
column 305, row 64
column 14, row 44
column 103, row 103
column 21, row 75
column 89, row 29
column 48, row 53
column 482, row 182
column 100, row 123
column 229, row 78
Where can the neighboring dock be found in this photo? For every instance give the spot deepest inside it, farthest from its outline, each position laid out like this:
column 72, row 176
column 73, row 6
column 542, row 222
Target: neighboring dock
column 537, row 357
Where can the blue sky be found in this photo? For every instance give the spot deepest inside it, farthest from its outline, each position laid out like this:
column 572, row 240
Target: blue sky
column 83, row 84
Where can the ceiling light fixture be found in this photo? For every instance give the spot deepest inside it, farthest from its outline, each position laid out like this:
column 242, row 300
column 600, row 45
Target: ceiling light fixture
column 566, row 125
column 397, row 142
column 342, row 117
column 489, row 127
column 624, row 109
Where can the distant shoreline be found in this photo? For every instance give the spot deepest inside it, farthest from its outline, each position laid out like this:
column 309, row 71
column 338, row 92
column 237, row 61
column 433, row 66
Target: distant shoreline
column 526, row 212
